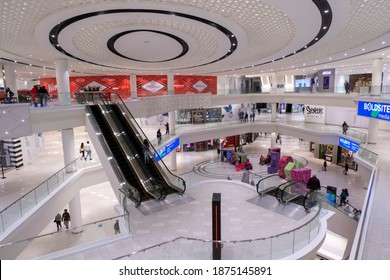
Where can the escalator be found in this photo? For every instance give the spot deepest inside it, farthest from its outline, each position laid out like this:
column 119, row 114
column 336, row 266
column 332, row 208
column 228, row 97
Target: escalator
column 135, row 139
column 135, row 135
column 120, row 157
column 269, row 185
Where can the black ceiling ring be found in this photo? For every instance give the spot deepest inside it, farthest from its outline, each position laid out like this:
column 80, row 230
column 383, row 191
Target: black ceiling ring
column 325, row 10
column 55, row 32
column 113, row 39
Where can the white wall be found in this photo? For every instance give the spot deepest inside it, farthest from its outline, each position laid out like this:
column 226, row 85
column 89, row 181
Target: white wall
column 337, row 115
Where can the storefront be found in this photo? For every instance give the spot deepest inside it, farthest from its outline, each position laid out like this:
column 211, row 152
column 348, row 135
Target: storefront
column 326, row 152
column 201, row 146
column 199, row 116
column 346, row 151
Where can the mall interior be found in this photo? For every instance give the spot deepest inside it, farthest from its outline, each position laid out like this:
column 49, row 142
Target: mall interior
column 197, row 126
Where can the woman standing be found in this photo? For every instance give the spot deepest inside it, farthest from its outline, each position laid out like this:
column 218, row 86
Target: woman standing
column 82, row 151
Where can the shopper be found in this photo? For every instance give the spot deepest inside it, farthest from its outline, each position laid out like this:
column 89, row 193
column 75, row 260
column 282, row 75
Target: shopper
column 325, row 165
column 167, row 128
column 313, row 185
column 218, row 151
column 82, row 151
column 57, row 220
column 145, row 150
column 345, row 127
column 88, row 150
column 346, row 167
column 346, row 86
column 158, row 136
column 66, row 218
column 343, row 197
column 116, row 227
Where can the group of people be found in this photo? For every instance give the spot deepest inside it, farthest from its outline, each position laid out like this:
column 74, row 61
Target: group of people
column 159, row 134
column 85, row 151
column 39, row 96
column 244, row 116
column 65, row 217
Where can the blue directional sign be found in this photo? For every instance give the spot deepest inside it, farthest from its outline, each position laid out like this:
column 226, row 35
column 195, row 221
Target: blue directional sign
column 349, row 144
column 376, row 110
column 167, row 149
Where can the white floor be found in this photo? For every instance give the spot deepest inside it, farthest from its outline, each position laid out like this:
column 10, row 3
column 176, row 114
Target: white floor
column 99, row 202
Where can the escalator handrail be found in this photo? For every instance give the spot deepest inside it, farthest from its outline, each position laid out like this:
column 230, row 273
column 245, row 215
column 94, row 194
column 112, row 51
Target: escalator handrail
column 106, row 147
column 262, row 179
column 150, row 144
column 158, row 195
column 354, row 208
column 291, row 183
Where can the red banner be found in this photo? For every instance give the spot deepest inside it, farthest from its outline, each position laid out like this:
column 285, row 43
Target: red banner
column 150, row 85
column 147, row 85
column 195, row 84
column 105, row 84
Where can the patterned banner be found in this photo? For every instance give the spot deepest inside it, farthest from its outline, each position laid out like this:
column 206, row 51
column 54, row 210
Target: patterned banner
column 105, row 84
column 151, row 85
column 195, row 84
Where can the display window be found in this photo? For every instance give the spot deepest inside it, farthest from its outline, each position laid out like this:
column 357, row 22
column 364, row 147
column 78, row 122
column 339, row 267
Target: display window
column 346, row 157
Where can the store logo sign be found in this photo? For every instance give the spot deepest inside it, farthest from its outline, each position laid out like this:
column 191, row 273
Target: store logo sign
column 349, row 144
column 199, row 86
column 374, row 110
column 152, row 86
column 167, row 149
column 314, row 110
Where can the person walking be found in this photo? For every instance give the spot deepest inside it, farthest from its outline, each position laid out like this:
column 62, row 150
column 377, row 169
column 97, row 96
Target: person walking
column 82, row 151
column 167, row 128
column 345, row 127
column 325, row 165
column 145, row 150
column 116, row 227
column 88, row 150
column 158, row 136
column 66, row 218
column 218, row 151
column 313, row 185
column 343, row 197
column 57, row 220
column 346, row 86
column 346, row 167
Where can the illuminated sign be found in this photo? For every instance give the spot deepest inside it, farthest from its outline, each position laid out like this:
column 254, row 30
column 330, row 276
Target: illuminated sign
column 327, row 73
column 167, row 149
column 374, row 110
column 349, row 144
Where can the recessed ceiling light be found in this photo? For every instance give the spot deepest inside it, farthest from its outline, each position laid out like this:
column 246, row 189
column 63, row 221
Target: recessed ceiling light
column 326, row 11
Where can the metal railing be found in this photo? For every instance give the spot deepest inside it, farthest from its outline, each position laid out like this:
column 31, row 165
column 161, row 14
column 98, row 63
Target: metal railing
column 24, row 204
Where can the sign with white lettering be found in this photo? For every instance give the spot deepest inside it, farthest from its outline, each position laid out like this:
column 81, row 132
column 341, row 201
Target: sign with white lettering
column 349, row 144
column 376, row 110
column 315, row 114
column 167, row 149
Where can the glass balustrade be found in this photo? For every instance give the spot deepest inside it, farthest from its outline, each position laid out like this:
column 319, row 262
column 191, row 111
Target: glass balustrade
column 56, row 241
column 27, row 202
column 272, row 247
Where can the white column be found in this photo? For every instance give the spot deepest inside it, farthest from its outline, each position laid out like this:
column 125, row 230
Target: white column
column 377, row 66
column 76, row 220
column 10, row 79
column 274, row 113
column 133, row 86
column 373, row 124
column 171, row 118
column 63, row 84
column 273, row 139
column 274, row 83
column 68, row 147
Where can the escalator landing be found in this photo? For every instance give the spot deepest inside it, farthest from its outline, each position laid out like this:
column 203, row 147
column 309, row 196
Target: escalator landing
column 290, row 210
column 172, row 200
